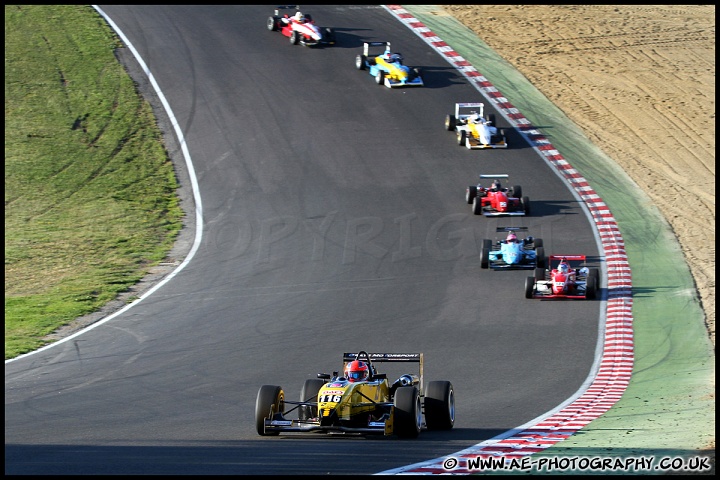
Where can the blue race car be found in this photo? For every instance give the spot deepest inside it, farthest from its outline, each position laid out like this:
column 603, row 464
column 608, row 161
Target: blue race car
column 512, row 252
column 388, row 68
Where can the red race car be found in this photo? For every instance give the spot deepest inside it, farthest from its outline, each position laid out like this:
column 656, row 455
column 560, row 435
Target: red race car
column 299, row 28
column 564, row 278
column 497, row 200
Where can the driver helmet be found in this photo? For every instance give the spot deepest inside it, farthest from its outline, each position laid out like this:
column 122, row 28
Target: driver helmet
column 387, row 53
column 357, row 371
column 496, row 185
column 511, row 237
column 476, row 118
column 299, row 16
column 563, row 267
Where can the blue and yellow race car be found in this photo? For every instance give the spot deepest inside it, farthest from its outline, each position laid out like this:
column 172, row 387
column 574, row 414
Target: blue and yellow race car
column 387, row 67
column 512, row 252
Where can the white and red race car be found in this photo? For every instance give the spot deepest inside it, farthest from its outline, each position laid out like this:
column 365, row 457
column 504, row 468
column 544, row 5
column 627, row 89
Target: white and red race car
column 566, row 276
column 300, row 28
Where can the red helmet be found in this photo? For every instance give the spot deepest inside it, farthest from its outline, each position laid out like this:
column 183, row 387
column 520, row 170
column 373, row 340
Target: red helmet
column 511, row 237
column 357, row 371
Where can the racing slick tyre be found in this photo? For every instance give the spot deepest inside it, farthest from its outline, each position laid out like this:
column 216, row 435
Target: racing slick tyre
column 538, row 242
column 294, row 37
column 329, row 36
column 470, row 193
column 529, row 286
column 270, row 400
column 360, row 62
column 539, row 273
column 526, row 205
column 477, row 206
column 491, row 119
column 308, row 393
column 462, row 138
column 308, row 17
column 272, row 24
column 540, row 257
column 439, row 405
column 591, row 287
column 516, row 191
column 380, row 77
column 485, row 253
column 408, row 412
column 450, row 122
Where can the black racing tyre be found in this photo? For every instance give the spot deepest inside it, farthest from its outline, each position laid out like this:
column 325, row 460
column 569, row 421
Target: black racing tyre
column 591, row 287
column 529, row 286
column 308, row 17
column 270, row 400
column 360, row 62
column 329, row 35
column 450, row 122
column 477, row 206
column 516, row 191
column 540, row 256
column 526, row 205
column 408, row 412
column 538, row 242
column 309, row 392
column 380, row 77
column 485, row 253
column 294, row 37
column 272, row 24
column 540, row 273
column 439, row 405
column 462, row 137
column 491, row 119
column 470, row 193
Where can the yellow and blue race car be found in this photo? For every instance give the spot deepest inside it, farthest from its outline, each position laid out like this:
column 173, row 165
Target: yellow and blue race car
column 387, row 67
column 360, row 401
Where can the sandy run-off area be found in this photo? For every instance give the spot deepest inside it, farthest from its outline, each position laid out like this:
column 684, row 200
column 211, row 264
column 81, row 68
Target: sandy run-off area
column 639, row 80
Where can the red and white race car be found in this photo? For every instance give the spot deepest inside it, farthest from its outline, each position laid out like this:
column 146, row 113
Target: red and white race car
column 566, row 276
column 496, row 200
column 299, row 28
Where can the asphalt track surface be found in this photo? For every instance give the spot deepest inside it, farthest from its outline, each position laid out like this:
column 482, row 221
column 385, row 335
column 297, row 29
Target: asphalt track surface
column 333, row 220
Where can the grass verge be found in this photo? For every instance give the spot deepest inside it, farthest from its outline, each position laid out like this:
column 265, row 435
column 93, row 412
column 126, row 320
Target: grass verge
column 90, row 191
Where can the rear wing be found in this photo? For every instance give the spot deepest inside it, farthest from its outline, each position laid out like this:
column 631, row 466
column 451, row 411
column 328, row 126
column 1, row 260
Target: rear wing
column 567, row 257
column 466, row 106
column 511, row 229
column 285, row 7
column 390, row 357
column 496, row 175
column 367, row 45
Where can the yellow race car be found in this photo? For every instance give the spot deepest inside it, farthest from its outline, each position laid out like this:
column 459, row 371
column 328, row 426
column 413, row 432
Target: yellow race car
column 387, row 67
column 360, row 401
column 474, row 129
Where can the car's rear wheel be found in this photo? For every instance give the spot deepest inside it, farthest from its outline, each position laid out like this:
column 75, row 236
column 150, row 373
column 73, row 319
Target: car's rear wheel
column 529, row 286
column 309, row 393
column 380, row 77
column 450, row 122
column 477, row 206
column 408, row 412
column 537, row 242
column 272, row 24
column 294, row 37
column 540, row 256
column 516, row 191
column 526, row 205
column 470, row 193
column 462, row 137
column 485, row 253
column 540, row 273
column 270, row 400
column 329, row 36
column 439, row 405
column 360, row 62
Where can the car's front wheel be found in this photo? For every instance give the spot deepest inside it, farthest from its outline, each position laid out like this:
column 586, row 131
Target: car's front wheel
column 485, row 253
column 380, row 77
column 270, row 400
column 477, row 206
column 294, row 37
column 529, row 286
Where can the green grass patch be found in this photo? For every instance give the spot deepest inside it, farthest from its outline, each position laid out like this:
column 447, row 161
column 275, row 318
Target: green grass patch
column 90, row 193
